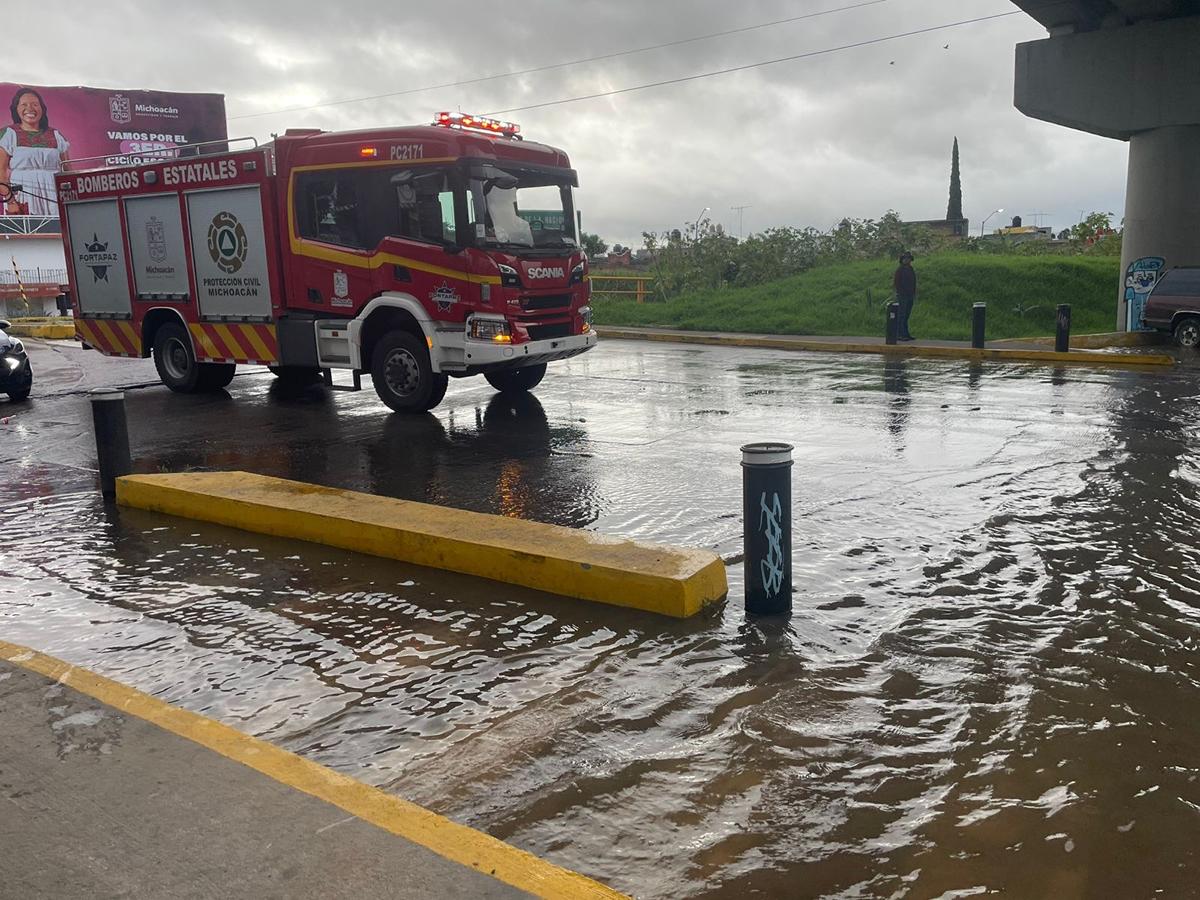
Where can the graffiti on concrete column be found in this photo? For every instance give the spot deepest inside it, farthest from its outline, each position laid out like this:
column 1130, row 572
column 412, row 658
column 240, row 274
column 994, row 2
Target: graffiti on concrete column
column 1140, row 278
column 770, row 524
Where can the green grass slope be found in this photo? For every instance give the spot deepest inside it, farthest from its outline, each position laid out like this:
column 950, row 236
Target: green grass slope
column 1021, row 293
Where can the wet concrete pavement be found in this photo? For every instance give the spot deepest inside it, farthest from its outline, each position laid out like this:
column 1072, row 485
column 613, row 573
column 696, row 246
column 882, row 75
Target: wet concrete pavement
column 99, row 803
column 988, row 682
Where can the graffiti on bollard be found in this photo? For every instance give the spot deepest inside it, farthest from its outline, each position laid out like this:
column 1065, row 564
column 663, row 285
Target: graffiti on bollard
column 1062, row 328
column 767, row 527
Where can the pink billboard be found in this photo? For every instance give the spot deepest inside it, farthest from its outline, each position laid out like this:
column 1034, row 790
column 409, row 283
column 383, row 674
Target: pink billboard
column 51, row 128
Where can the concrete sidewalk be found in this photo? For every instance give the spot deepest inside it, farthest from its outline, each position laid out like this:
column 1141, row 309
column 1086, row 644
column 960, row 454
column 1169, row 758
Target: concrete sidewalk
column 99, row 802
column 1032, row 350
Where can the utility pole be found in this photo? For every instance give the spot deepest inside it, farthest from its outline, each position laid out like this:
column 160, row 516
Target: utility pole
column 739, row 210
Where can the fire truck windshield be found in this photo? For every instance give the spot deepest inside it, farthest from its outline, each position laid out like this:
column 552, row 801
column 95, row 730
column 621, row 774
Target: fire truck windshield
column 522, row 208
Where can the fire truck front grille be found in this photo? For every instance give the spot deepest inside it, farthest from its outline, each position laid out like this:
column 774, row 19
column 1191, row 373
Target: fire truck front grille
column 548, row 332
column 553, row 301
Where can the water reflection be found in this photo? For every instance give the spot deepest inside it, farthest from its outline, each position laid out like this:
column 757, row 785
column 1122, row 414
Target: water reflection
column 895, row 383
column 518, row 464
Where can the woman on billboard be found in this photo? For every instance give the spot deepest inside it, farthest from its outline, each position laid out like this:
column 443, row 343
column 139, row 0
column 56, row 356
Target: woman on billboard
column 31, row 152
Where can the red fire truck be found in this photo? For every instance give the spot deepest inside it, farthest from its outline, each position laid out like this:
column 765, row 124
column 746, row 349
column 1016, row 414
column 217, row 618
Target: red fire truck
column 412, row 254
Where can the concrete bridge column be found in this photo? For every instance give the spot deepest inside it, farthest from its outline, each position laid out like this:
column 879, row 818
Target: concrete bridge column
column 1162, row 201
column 1139, row 83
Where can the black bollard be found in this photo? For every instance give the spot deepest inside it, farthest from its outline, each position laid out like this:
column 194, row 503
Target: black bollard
column 978, row 323
column 112, row 438
column 767, row 527
column 892, row 329
column 1062, row 329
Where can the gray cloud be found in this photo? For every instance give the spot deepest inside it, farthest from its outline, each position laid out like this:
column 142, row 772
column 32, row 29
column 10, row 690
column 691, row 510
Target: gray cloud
column 802, row 143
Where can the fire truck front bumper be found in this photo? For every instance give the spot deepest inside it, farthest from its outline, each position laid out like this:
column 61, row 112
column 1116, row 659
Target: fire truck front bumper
column 489, row 356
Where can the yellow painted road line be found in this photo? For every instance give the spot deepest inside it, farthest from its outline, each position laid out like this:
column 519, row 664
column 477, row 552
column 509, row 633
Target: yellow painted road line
column 568, row 562
column 448, row 839
column 995, row 355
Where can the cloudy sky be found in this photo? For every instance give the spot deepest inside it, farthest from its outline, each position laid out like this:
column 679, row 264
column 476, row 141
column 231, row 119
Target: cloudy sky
column 853, row 132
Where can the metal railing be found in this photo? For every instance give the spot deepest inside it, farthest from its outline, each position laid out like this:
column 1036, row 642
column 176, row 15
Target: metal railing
column 34, row 275
column 639, row 286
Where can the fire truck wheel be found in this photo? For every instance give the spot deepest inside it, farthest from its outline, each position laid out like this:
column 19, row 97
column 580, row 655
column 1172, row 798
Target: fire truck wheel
column 214, row 376
column 513, row 381
column 174, row 359
column 403, row 376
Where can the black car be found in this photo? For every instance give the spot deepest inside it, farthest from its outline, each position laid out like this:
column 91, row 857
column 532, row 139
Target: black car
column 16, row 374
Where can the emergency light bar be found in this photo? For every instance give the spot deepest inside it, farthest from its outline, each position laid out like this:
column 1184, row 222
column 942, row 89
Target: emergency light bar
column 477, row 123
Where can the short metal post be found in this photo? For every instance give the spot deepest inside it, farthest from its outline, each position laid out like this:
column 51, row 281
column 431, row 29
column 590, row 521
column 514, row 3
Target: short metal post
column 112, row 438
column 978, row 324
column 767, row 527
column 893, row 322
column 1062, row 329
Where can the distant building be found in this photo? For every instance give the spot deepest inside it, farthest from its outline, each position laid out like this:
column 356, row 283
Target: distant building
column 1019, row 233
column 32, row 266
column 959, row 228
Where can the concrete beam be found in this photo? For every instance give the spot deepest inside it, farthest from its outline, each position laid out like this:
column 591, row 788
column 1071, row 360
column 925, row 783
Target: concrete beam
column 1113, row 82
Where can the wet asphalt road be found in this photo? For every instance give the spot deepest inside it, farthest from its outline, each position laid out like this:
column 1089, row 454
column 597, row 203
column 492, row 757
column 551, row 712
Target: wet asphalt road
column 989, row 682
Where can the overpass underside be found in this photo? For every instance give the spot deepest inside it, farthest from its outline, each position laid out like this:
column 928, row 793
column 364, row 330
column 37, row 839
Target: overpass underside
column 1128, row 70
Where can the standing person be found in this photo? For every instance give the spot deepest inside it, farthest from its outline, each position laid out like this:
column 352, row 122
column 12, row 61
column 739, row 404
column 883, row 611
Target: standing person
column 31, row 152
column 905, row 284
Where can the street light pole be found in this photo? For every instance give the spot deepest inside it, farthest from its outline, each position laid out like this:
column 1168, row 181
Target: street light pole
column 696, row 226
column 983, row 224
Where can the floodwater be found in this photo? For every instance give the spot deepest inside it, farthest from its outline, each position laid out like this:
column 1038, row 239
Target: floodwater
column 989, row 683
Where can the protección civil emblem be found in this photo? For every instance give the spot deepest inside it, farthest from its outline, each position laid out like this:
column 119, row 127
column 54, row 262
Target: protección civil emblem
column 156, row 239
column 227, row 242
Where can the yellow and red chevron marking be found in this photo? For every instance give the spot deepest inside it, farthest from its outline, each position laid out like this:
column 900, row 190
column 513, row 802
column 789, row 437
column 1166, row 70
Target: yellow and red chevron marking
column 112, row 337
column 235, row 342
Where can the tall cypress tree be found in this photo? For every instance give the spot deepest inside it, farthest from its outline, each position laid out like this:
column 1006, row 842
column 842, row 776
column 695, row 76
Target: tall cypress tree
column 954, row 210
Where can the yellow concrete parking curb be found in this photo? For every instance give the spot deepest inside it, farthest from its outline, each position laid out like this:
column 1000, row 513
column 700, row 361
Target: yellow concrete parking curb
column 782, row 342
column 448, row 839
column 1099, row 341
column 569, row 562
column 45, row 330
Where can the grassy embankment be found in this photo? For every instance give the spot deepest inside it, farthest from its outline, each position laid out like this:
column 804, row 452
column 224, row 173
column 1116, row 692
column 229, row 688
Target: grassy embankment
column 1021, row 293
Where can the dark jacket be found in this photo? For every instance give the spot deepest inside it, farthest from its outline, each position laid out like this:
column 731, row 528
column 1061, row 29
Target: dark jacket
column 905, row 281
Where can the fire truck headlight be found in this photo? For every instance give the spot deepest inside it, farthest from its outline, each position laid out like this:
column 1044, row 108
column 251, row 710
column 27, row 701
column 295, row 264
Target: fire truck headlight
column 586, row 314
column 485, row 329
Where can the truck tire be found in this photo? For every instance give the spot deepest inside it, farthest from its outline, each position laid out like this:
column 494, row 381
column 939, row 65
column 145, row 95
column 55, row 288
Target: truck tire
column 402, row 374
column 175, row 359
column 214, row 376
column 1187, row 332
column 513, row 381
